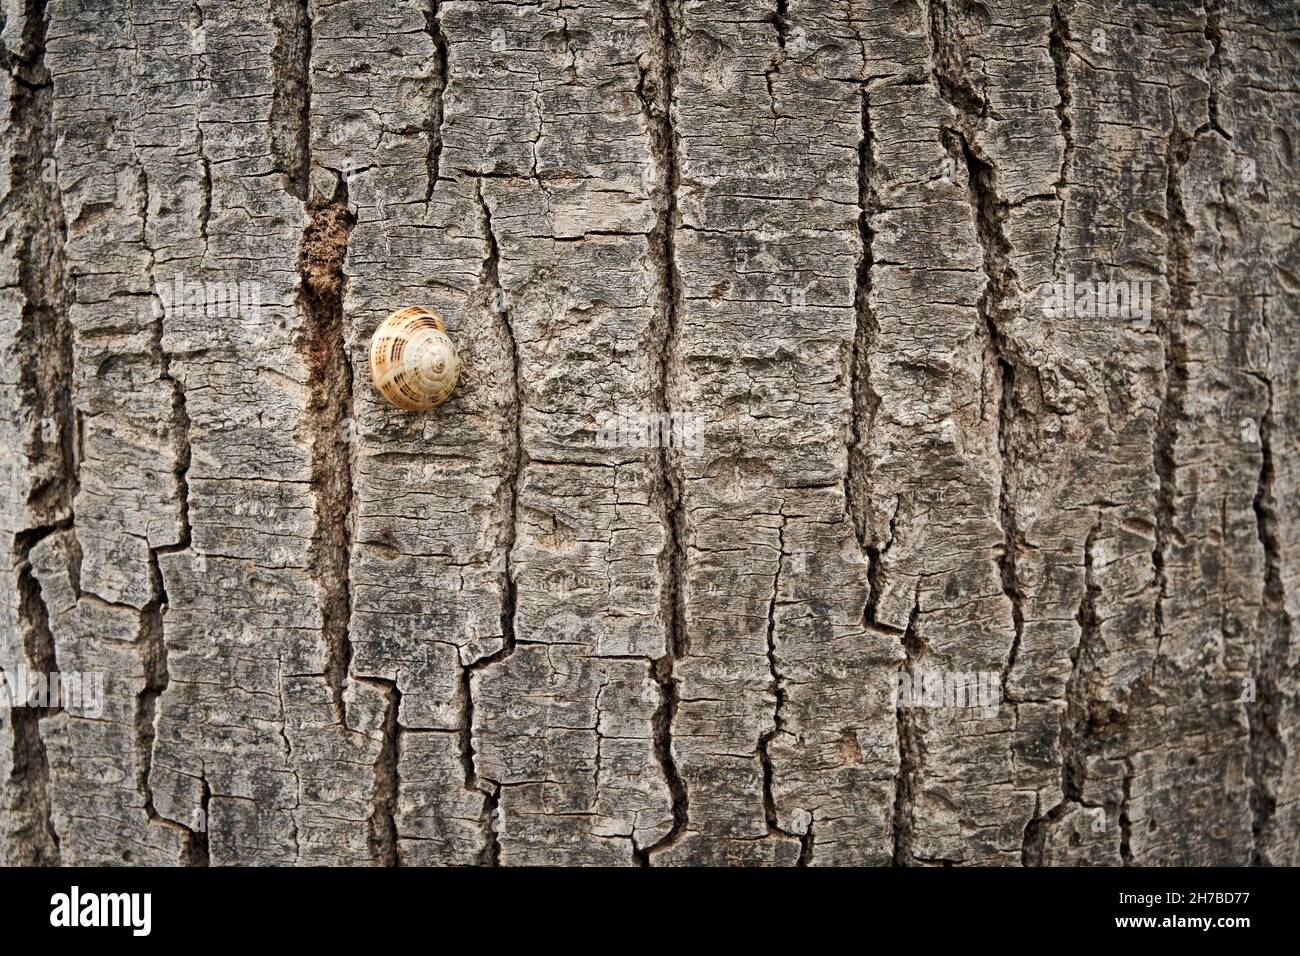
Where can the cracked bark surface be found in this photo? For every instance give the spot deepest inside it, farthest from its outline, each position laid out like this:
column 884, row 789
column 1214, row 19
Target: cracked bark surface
column 337, row 633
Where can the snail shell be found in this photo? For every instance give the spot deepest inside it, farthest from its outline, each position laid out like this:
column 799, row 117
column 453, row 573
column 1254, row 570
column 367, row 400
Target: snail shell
column 412, row 360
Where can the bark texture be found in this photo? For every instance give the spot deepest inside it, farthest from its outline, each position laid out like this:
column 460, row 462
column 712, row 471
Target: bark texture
column 335, row 632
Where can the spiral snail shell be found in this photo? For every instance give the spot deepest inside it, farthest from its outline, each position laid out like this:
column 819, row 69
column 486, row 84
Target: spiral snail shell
column 412, row 361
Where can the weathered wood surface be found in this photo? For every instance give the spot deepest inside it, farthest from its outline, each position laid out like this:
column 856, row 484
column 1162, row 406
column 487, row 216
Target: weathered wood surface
column 335, row 632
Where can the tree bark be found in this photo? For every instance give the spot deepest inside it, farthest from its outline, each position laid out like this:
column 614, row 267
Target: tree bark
column 820, row 239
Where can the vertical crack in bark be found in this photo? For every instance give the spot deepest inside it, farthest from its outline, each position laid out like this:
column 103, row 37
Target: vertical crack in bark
column 990, row 212
column 1125, row 824
column 43, row 344
column 875, row 568
column 290, row 118
column 1214, row 36
column 657, row 91
column 508, row 504
column 806, row 845
column 490, row 280
column 1000, row 287
column 778, row 692
column 287, row 749
column 437, row 88
column 205, row 179
column 1268, row 749
column 465, row 736
column 857, row 476
column 1033, row 841
column 1058, row 45
column 490, row 822
column 178, row 429
column 43, row 341
column 780, row 20
column 1076, row 717
column 516, row 461
column 387, row 780
column 157, row 678
column 179, row 425
column 37, row 640
column 490, row 855
column 323, row 345
column 153, row 639
column 34, row 836
column 947, row 64
column 865, row 402
column 196, row 851
column 197, row 28
column 911, row 746
column 1169, row 419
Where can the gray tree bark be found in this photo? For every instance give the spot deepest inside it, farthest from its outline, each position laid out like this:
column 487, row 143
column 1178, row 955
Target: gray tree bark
column 819, row 231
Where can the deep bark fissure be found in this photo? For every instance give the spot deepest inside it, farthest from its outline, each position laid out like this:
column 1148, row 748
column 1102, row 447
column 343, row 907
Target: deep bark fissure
column 1268, row 749
column 490, row 822
column 1214, row 36
column 780, row 20
column 947, row 64
column 1000, row 287
column 196, row 850
column 491, row 852
column 465, row 733
column 807, row 844
column 1059, row 48
column 387, row 780
column 657, row 92
column 1125, row 822
column 290, row 117
column 1033, row 842
column 35, row 837
column 205, row 180
column 179, row 426
column 43, row 347
column 990, row 212
column 324, row 348
column 516, row 461
column 438, row 87
column 911, row 747
column 864, row 401
column 1076, row 717
column 43, row 342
